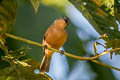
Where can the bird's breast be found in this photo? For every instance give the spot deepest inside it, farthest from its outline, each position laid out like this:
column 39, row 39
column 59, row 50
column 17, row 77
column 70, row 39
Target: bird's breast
column 56, row 39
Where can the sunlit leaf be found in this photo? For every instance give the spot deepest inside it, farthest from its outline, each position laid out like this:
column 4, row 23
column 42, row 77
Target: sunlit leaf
column 3, row 52
column 3, row 45
column 27, row 73
column 57, row 3
column 21, row 52
column 24, row 64
column 14, row 57
column 12, row 78
column 35, row 4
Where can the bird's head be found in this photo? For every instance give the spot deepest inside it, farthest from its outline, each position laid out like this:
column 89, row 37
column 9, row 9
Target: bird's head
column 62, row 22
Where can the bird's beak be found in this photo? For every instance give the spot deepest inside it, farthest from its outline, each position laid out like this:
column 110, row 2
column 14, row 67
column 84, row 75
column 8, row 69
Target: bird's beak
column 66, row 19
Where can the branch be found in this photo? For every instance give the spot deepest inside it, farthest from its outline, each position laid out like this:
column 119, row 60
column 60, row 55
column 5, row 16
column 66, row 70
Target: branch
column 65, row 53
column 106, row 65
column 105, row 52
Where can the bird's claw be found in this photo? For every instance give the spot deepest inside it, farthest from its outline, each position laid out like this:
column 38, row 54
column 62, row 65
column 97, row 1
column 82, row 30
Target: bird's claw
column 62, row 52
column 44, row 48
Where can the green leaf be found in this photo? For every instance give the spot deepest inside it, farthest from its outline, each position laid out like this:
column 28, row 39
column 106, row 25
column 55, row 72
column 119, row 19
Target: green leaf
column 27, row 73
column 8, row 12
column 19, row 53
column 103, row 15
column 117, row 10
column 3, row 52
column 14, row 57
column 12, row 78
column 98, row 16
column 35, row 4
column 24, row 73
column 3, row 46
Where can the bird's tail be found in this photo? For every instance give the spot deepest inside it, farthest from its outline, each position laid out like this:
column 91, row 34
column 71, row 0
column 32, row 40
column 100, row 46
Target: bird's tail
column 45, row 64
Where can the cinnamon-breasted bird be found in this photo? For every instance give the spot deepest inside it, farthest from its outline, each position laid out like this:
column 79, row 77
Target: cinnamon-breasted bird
column 55, row 37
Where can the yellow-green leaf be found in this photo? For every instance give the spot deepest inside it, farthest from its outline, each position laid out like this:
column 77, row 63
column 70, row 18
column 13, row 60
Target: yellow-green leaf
column 8, row 12
column 35, row 4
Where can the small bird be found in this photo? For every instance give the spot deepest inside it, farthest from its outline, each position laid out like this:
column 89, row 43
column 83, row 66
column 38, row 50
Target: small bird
column 55, row 37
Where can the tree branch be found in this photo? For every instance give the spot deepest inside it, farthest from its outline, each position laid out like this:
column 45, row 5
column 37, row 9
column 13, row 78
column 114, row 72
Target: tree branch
column 105, row 52
column 106, row 65
column 68, row 54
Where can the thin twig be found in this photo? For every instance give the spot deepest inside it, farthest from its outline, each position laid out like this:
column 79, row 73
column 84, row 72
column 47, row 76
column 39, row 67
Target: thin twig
column 104, row 53
column 106, row 65
column 67, row 54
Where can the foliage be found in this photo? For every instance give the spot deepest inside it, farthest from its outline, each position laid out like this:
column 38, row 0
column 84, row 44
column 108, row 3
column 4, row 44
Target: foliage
column 23, row 73
column 15, row 63
column 103, row 16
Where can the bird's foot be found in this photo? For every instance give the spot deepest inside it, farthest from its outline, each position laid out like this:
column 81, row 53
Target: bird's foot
column 62, row 52
column 44, row 48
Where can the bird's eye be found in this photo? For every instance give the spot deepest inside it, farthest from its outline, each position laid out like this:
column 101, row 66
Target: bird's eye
column 66, row 19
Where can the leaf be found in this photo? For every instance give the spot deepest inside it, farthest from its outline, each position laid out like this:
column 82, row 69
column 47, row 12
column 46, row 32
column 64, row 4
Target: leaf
column 24, row 73
column 14, row 57
column 117, row 10
column 111, row 43
column 24, row 64
column 3, row 45
column 98, row 16
column 35, row 4
column 102, row 18
column 101, row 14
column 19, row 53
column 3, row 51
column 12, row 78
column 8, row 12
column 27, row 73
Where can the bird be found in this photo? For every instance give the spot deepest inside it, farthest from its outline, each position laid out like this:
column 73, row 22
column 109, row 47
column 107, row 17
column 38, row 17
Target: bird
column 55, row 37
